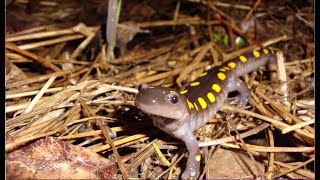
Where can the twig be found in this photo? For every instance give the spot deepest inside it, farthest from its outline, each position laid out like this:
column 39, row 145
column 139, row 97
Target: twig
column 244, row 145
column 293, row 168
column 297, row 126
column 282, row 76
column 93, row 133
column 270, row 149
column 37, row 79
column 123, row 140
column 239, row 31
column 35, row 57
column 192, row 21
column 271, row 155
column 40, row 35
column 39, row 95
column 50, row 42
column 114, row 149
column 302, row 172
column 230, row 139
column 31, row 93
column 277, row 124
column 252, row 9
column 280, row 108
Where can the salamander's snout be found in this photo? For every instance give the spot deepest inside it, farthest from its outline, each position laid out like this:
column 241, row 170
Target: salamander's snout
column 160, row 101
column 141, row 96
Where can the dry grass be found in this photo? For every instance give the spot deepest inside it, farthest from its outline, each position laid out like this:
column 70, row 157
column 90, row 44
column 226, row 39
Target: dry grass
column 75, row 98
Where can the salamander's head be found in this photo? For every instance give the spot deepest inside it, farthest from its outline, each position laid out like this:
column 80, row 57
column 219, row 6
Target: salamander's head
column 161, row 101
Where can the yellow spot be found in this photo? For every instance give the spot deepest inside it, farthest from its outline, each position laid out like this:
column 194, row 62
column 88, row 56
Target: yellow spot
column 184, row 91
column 202, row 102
column 227, row 68
column 195, row 83
column 249, row 86
column 232, row 64
column 203, row 74
column 216, row 87
column 221, row 76
column 190, row 105
column 222, row 70
column 265, row 51
column 198, row 158
column 195, row 105
column 243, row 59
column 172, row 91
column 211, row 97
column 256, row 54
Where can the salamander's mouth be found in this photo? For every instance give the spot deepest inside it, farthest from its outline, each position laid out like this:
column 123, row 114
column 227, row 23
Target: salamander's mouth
column 158, row 110
column 149, row 109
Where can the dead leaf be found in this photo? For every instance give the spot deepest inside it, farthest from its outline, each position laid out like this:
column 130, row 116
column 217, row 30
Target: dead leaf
column 51, row 158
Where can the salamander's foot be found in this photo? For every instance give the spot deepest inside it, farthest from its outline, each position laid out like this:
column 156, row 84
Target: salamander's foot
column 241, row 101
column 244, row 93
column 190, row 173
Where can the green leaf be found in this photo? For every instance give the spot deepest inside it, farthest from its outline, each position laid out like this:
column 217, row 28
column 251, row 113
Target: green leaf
column 225, row 40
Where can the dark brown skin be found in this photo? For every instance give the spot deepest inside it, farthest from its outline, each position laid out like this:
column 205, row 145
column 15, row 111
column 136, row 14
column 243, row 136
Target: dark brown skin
column 180, row 113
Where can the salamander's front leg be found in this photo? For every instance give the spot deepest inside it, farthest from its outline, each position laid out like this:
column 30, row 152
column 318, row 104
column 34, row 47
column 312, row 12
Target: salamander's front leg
column 193, row 163
column 242, row 88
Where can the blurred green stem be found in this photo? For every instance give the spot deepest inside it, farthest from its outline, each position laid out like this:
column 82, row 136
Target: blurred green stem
column 114, row 8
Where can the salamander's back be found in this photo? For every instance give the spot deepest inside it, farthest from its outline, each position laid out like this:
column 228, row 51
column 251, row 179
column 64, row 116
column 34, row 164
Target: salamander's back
column 207, row 93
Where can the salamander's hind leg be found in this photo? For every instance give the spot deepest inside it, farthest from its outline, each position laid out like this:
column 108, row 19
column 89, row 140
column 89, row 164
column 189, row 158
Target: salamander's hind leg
column 244, row 93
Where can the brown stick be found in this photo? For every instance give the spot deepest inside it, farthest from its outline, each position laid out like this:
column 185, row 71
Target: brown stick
column 252, row 9
column 36, row 79
column 35, row 57
column 238, row 31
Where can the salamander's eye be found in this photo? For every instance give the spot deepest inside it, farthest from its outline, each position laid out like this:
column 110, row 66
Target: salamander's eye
column 173, row 98
column 142, row 87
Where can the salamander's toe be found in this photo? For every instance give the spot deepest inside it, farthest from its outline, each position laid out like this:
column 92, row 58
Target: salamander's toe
column 240, row 101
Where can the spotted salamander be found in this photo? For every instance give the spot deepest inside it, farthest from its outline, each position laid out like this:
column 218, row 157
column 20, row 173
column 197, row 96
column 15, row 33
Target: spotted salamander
column 179, row 113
